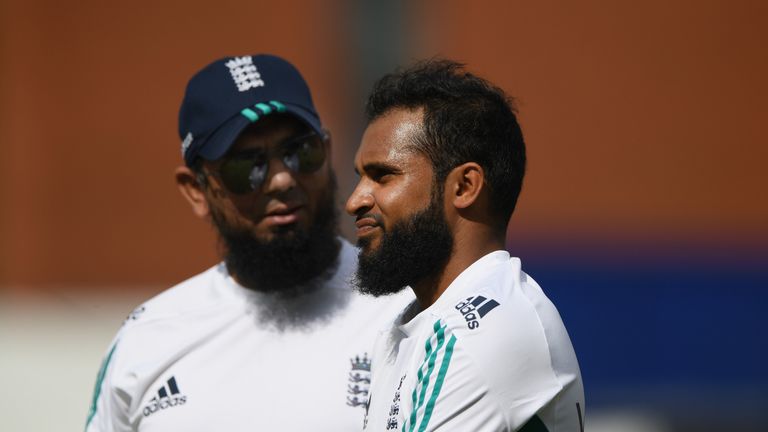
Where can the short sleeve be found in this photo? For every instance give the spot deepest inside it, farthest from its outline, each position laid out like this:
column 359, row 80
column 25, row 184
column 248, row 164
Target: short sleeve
column 109, row 406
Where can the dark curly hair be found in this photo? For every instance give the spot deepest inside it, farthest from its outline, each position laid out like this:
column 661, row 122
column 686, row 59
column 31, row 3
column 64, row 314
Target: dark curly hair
column 466, row 119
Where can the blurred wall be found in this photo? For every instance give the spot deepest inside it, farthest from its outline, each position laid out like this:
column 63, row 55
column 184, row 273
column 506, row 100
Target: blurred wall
column 89, row 103
column 644, row 121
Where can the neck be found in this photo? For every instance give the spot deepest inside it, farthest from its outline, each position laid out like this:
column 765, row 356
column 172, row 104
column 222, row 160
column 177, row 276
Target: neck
column 466, row 250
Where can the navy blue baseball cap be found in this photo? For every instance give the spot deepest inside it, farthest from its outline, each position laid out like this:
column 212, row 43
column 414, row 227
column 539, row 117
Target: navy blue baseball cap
column 231, row 93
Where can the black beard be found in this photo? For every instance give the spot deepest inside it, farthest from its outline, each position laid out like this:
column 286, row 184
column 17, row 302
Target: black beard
column 293, row 262
column 412, row 251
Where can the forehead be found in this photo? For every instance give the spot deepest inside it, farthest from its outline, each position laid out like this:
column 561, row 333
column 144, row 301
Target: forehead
column 269, row 131
column 391, row 138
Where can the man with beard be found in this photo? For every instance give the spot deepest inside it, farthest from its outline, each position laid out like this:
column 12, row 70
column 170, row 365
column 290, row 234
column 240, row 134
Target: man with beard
column 481, row 348
column 272, row 338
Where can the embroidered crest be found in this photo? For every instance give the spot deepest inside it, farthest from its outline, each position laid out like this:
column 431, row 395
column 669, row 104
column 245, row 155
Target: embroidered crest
column 359, row 380
column 244, row 73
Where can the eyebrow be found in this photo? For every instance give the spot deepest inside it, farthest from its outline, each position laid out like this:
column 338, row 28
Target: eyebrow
column 379, row 167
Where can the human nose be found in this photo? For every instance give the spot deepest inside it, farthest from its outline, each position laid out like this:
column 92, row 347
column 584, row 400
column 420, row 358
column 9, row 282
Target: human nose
column 360, row 201
column 280, row 177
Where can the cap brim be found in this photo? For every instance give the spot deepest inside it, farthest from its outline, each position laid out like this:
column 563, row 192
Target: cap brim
column 220, row 141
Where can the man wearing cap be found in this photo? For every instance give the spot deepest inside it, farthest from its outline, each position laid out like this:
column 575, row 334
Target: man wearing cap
column 273, row 337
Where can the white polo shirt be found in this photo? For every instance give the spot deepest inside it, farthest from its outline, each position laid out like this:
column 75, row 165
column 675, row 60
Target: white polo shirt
column 210, row 355
column 491, row 354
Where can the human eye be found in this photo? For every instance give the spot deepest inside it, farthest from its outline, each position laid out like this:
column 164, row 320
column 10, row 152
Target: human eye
column 242, row 174
column 308, row 151
column 381, row 174
column 301, row 143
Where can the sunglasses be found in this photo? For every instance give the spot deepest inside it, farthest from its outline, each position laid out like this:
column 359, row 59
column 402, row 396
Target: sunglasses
column 244, row 172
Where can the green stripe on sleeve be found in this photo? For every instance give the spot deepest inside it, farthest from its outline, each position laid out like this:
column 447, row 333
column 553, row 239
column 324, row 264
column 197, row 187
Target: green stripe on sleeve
column 438, row 383
column 420, row 376
column 99, row 381
column 430, row 359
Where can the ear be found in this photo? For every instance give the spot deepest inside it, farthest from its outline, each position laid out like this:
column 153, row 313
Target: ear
column 192, row 191
column 464, row 184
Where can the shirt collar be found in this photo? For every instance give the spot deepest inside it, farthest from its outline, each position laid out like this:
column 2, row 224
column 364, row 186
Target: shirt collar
column 473, row 276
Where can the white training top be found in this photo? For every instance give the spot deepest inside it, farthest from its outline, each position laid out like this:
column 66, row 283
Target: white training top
column 210, row 355
column 491, row 354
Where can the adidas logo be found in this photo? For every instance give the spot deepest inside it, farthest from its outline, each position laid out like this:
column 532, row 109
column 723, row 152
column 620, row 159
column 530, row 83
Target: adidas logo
column 167, row 396
column 474, row 308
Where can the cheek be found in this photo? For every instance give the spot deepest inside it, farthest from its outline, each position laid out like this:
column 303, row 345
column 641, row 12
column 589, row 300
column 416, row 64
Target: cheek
column 317, row 190
column 239, row 211
column 397, row 202
column 247, row 204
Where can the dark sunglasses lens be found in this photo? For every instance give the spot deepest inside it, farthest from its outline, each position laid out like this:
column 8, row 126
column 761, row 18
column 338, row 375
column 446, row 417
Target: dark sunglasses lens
column 311, row 154
column 236, row 175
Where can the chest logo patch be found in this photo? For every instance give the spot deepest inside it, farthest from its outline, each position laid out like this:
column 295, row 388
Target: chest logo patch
column 474, row 308
column 359, row 382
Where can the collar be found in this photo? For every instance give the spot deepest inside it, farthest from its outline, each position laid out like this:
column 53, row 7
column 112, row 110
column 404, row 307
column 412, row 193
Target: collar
column 479, row 273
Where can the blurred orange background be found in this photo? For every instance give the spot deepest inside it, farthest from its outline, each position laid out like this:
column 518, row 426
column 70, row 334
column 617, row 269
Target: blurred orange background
column 645, row 121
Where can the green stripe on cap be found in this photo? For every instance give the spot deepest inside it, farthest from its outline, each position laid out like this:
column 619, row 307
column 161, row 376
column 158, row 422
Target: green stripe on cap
column 250, row 114
column 280, row 107
column 266, row 109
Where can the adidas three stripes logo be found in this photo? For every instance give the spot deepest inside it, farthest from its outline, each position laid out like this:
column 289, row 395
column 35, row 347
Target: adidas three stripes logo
column 168, row 396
